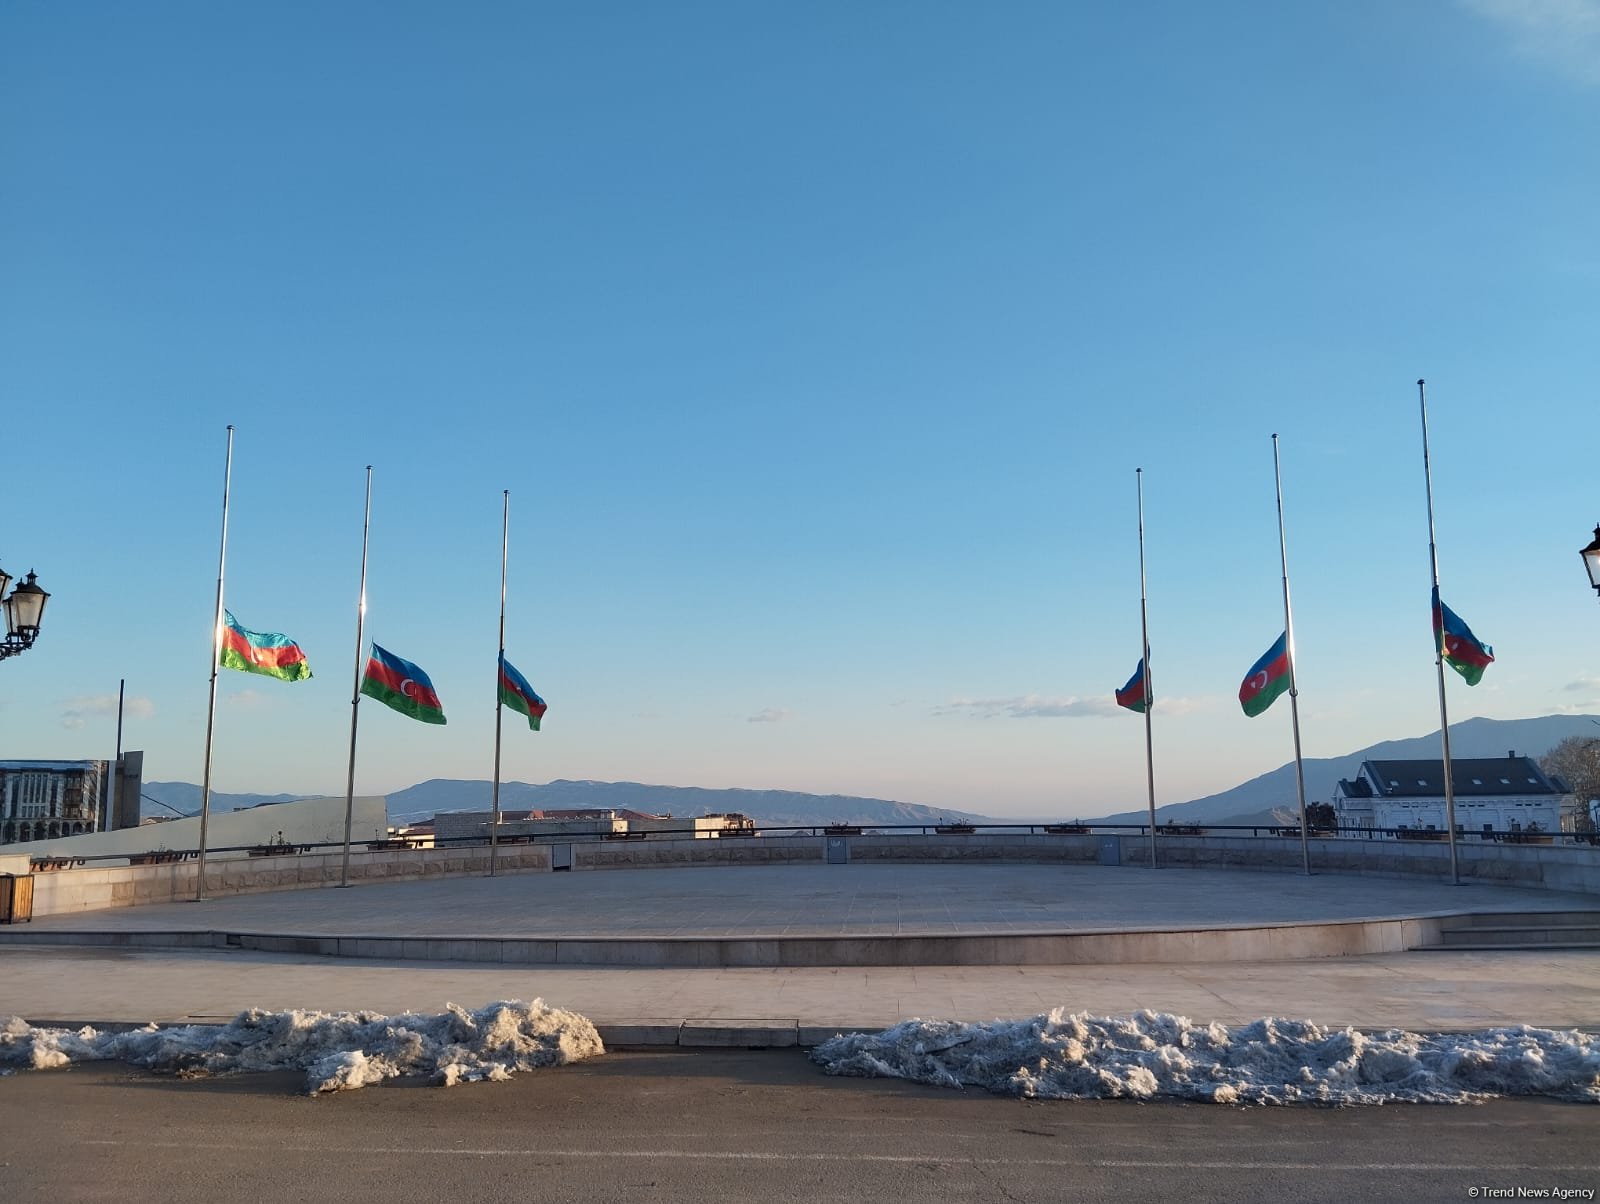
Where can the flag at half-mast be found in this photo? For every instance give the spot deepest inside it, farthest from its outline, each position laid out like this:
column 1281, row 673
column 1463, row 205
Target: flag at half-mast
column 516, row 693
column 1461, row 650
column 1268, row 677
column 261, row 652
column 1136, row 694
column 400, row 684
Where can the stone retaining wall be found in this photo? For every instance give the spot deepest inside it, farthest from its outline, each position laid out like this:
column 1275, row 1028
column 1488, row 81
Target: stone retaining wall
column 1197, row 946
column 90, row 888
column 1550, row 867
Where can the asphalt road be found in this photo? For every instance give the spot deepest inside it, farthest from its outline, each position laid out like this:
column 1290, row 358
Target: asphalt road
column 704, row 1126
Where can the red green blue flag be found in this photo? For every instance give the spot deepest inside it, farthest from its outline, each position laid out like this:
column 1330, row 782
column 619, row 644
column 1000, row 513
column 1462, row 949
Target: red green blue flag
column 401, row 685
column 261, row 652
column 1461, row 650
column 1136, row 694
column 1268, row 677
column 517, row 694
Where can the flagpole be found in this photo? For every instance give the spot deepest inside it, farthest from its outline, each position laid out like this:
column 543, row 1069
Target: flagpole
column 499, row 668
column 1294, row 685
column 1438, row 650
column 113, row 796
column 216, row 660
column 1149, row 690
column 355, row 692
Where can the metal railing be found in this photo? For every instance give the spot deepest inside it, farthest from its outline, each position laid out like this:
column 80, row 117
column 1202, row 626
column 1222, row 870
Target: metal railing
column 789, row 831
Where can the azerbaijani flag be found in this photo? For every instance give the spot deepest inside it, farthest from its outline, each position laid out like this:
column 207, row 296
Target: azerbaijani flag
column 1462, row 651
column 1267, row 678
column 1136, row 694
column 401, row 685
column 261, row 652
column 517, row 694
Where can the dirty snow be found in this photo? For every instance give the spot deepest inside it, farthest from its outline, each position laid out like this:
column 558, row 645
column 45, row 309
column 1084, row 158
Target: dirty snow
column 339, row 1051
column 1270, row 1061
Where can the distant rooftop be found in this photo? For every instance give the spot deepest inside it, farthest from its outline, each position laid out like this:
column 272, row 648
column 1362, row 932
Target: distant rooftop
column 1470, row 776
column 53, row 766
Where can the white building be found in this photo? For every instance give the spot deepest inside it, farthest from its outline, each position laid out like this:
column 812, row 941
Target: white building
column 1492, row 794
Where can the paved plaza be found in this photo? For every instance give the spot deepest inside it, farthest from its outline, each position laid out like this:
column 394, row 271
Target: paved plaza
column 822, row 900
column 1423, row 990
column 1397, row 990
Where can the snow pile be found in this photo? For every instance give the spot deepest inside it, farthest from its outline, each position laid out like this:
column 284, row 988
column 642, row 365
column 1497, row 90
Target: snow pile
column 339, row 1051
column 1149, row 1054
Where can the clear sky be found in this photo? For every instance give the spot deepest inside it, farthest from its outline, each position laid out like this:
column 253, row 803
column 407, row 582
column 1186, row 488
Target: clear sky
column 817, row 345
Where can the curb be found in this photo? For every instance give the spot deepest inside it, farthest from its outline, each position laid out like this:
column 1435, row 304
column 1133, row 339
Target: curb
column 1280, row 941
column 657, row 1033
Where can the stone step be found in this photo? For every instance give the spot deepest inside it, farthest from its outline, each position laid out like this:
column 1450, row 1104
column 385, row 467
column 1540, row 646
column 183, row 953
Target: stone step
column 1462, row 938
column 1593, row 946
column 1525, row 919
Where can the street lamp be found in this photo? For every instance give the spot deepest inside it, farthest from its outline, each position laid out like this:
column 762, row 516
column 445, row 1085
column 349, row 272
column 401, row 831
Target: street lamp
column 24, row 612
column 1591, row 560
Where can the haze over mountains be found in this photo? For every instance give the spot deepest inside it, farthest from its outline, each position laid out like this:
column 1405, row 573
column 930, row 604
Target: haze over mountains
column 424, row 800
column 1249, row 802
column 772, row 807
column 185, row 797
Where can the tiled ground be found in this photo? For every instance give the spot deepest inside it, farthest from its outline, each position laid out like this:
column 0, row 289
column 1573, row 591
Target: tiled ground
column 1404, row 990
column 821, row 900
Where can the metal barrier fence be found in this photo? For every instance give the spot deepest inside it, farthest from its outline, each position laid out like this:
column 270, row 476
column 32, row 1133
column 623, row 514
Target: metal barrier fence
column 783, row 831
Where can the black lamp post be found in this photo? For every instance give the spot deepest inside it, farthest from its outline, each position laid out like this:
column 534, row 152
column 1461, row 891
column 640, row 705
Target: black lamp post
column 24, row 612
column 1591, row 560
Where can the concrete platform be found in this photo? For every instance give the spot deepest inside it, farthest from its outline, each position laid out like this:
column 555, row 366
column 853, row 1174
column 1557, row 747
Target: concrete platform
column 820, row 915
column 774, row 1007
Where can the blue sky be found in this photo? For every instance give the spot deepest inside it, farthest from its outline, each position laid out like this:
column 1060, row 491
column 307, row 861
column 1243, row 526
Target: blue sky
column 817, row 345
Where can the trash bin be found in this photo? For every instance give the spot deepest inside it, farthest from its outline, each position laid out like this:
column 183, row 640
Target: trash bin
column 16, row 898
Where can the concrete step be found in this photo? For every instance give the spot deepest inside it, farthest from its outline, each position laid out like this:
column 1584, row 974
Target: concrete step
column 1461, row 938
column 1524, row 948
column 1523, row 919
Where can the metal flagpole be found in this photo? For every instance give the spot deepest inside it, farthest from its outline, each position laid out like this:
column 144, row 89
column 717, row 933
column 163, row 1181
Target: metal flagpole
column 1438, row 651
column 355, row 691
column 216, row 661
column 1149, row 690
column 1294, row 684
column 505, row 528
column 114, row 792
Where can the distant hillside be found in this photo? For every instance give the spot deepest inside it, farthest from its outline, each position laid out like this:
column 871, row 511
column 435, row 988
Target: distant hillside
column 185, row 797
column 771, row 807
column 1253, row 801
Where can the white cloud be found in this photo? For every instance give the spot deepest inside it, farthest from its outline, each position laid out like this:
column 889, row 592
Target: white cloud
column 1563, row 34
column 1030, row 706
column 76, row 712
column 1579, row 708
column 1037, row 706
column 769, row 715
column 246, row 699
column 1587, row 684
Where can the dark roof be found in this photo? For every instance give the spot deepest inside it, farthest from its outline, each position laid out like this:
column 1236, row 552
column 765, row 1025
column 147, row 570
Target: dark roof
column 1355, row 789
column 1470, row 777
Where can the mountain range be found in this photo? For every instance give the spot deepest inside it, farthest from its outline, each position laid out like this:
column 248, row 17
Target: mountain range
column 774, row 808
column 184, row 797
column 1268, row 798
